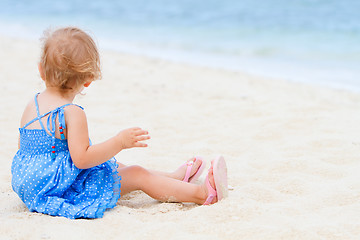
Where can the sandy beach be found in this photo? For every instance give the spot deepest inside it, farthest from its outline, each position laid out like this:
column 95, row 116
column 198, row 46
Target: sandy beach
column 293, row 150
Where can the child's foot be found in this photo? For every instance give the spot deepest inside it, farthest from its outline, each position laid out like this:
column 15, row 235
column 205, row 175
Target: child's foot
column 184, row 173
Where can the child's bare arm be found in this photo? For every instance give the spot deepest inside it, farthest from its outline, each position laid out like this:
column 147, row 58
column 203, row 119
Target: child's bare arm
column 85, row 156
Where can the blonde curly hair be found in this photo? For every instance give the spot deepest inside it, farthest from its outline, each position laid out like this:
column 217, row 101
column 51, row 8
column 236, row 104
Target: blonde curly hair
column 69, row 58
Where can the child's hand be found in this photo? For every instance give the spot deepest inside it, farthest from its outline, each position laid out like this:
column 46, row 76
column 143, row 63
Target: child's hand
column 132, row 137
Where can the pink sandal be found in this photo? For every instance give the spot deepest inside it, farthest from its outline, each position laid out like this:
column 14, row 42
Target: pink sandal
column 197, row 173
column 220, row 179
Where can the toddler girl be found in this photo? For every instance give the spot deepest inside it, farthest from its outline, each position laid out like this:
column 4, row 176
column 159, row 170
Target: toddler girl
column 57, row 171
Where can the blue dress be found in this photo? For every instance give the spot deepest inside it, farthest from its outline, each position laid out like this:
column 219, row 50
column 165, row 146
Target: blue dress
column 47, row 180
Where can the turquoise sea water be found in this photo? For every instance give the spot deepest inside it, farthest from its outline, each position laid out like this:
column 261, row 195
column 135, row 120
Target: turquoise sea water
column 313, row 41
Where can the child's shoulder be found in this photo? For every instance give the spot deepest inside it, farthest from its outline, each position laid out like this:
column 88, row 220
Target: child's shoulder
column 74, row 109
column 74, row 112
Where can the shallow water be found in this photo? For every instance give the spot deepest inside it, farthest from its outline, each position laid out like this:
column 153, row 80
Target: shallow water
column 314, row 41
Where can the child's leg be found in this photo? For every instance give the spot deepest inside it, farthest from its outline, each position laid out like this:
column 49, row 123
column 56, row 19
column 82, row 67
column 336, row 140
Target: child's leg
column 178, row 174
column 162, row 188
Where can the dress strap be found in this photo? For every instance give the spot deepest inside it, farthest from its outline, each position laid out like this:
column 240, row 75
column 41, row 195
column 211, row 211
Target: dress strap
column 36, row 104
column 38, row 112
column 51, row 124
column 51, row 120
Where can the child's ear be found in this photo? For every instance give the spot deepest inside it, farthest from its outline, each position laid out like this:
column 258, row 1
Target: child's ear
column 41, row 71
column 87, row 84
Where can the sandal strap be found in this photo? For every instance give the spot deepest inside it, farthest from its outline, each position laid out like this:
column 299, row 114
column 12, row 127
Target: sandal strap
column 188, row 171
column 211, row 192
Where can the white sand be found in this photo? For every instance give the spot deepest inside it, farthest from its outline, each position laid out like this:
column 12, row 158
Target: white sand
column 293, row 151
